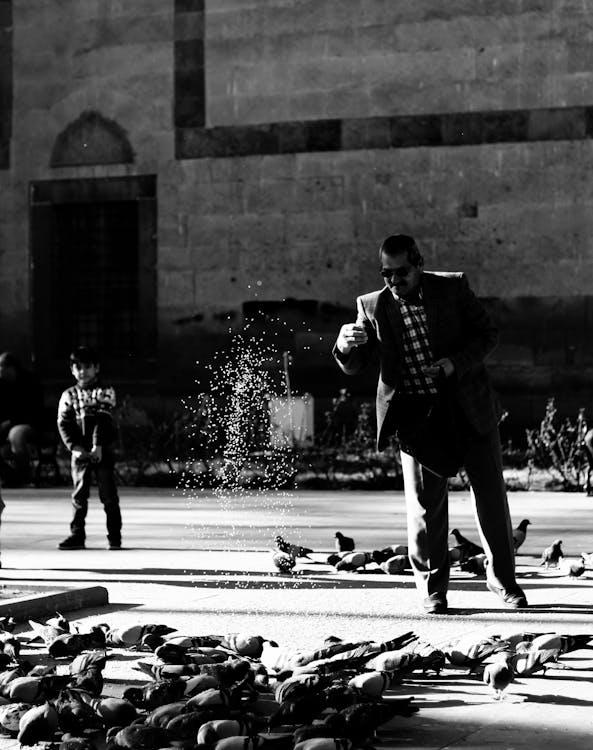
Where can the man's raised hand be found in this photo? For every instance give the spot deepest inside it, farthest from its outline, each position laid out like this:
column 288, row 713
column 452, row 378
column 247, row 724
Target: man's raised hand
column 351, row 335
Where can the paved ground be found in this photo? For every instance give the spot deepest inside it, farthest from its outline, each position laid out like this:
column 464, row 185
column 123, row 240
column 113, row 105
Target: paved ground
column 202, row 565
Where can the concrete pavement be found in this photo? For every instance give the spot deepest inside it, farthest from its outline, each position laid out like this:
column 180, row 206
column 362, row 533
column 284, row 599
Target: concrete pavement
column 202, row 565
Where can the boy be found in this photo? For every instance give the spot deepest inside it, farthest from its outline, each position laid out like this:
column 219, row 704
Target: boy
column 85, row 422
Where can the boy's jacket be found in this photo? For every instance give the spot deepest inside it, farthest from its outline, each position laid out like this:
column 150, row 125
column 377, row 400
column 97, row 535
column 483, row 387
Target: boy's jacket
column 85, row 415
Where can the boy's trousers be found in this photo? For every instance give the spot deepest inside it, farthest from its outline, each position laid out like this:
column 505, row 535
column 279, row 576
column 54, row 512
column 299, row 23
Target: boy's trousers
column 104, row 471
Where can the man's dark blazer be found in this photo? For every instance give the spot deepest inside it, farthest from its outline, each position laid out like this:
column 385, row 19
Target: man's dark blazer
column 458, row 328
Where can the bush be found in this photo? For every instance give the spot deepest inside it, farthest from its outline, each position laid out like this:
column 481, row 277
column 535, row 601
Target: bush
column 558, row 447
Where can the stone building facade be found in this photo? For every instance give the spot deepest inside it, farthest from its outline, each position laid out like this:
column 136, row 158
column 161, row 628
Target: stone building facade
column 169, row 168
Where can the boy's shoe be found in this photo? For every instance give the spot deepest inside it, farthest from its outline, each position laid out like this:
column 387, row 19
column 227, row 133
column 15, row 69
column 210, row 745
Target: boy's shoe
column 114, row 545
column 71, row 542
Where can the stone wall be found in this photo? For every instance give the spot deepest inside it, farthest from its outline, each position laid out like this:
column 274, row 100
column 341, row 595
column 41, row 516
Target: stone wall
column 289, row 137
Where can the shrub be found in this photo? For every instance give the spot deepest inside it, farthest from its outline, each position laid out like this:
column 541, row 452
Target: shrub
column 558, row 447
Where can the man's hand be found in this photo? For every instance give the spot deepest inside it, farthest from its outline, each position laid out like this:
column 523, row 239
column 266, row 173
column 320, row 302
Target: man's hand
column 442, row 366
column 351, row 335
column 80, row 453
column 96, row 454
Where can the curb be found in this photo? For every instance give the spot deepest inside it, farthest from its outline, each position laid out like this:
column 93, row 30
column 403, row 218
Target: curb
column 38, row 605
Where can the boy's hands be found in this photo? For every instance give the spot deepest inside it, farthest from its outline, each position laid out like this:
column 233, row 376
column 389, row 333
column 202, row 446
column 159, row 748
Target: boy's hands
column 80, row 453
column 96, row 454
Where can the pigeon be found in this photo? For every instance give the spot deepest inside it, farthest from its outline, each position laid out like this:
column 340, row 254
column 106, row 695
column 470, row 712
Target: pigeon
column 73, row 644
column 131, row 637
column 552, row 554
column 475, row 564
column 565, row 643
column 283, row 561
column 468, row 651
column 138, row 736
column 466, row 547
column 576, row 569
column 295, row 550
column 155, row 694
column 10, row 715
column 59, row 621
column 38, row 724
column 381, row 555
column 8, row 624
column 520, row 533
column 396, row 564
column 498, row 675
column 354, row 560
column 76, row 743
column 528, row 663
column 74, row 714
column 360, row 721
column 244, row 644
column 113, row 712
column 344, row 543
column 10, row 645
column 46, row 633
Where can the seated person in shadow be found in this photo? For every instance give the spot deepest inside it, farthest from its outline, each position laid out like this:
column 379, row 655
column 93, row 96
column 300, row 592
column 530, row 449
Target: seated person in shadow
column 21, row 415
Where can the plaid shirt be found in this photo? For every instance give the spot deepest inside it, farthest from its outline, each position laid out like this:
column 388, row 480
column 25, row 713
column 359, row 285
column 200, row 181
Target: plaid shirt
column 417, row 354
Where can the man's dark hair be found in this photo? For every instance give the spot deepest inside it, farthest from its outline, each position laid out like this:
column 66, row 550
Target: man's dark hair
column 84, row 355
column 401, row 243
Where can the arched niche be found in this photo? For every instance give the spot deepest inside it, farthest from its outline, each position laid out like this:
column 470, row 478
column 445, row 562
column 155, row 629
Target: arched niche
column 89, row 140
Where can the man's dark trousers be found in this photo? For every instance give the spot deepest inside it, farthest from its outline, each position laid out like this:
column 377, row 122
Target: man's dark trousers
column 428, row 517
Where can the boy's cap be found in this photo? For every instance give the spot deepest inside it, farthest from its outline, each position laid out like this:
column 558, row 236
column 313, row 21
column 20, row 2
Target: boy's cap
column 84, row 355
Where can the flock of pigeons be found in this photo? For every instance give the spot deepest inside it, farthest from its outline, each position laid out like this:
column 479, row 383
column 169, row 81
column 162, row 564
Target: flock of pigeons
column 238, row 691
column 393, row 559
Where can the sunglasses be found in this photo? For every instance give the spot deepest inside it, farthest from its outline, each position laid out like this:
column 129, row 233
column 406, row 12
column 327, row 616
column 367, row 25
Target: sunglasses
column 400, row 272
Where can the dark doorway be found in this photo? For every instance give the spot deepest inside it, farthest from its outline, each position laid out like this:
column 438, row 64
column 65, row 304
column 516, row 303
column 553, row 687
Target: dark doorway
column 94, row 280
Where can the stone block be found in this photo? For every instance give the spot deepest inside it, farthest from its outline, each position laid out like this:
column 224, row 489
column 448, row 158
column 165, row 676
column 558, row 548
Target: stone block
column 263, row 194
column 174, row 257
column 346, row 102
column 322, row 230
column 188, row 26
column 189, row 6
column 569, row 90
column 189, row 55
column 461, row 128
column 175, row 286
column 321, row 193
column 256, row 234
column 116, row 31
column 366, row 133
column 259, row 110
column 525, row 60
column 418, row 130
column 189, row 111
column 557, row 124
column 323, row 135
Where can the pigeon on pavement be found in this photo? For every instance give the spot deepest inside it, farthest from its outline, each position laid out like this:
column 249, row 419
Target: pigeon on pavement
column 475, row 564
column 520, row 532
column 344, row 543
column 465, row 546
column 552, row 554
column 283, row 561
column 295, row 550
column 498, row 675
